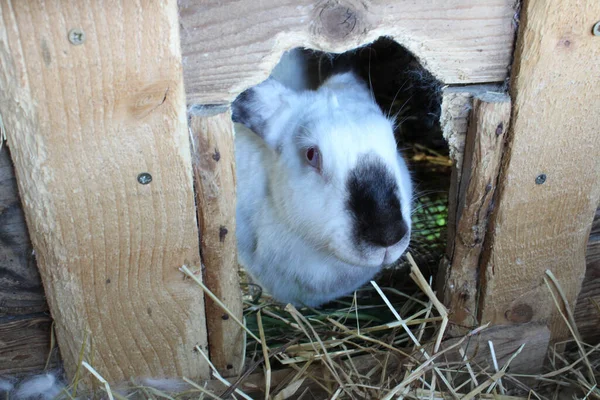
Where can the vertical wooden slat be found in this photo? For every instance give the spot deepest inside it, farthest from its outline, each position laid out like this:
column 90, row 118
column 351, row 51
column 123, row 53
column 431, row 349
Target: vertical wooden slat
column 24, row 323
column 214, row 165
column 21, row 290
column 25, row 344
column 83, row 120
column 543, row 224
column 587, row 313
column 484, row 146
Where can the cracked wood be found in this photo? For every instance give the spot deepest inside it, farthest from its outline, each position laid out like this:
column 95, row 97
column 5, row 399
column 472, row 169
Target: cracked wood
column 554, row 131
column 214, row 167
column 484, row 146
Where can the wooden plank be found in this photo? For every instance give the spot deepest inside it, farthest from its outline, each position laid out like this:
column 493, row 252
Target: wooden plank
column 506, row 341
column 21, row 290
column 25, row 344
column 457, row 103
column 24, row 329
column 214, row 170
column 83, row 121
column 230, row 47
column 488, row 124
column 587, row 312
column 554, row 131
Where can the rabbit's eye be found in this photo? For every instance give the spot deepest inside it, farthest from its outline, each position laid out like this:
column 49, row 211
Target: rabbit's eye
column 313, row 157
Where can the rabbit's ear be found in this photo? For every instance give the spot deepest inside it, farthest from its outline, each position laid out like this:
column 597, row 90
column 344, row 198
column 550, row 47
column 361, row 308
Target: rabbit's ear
column 258, row 107
column 349, row 81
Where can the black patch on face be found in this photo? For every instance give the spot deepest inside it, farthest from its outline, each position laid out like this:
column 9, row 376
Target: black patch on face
column 374, row 204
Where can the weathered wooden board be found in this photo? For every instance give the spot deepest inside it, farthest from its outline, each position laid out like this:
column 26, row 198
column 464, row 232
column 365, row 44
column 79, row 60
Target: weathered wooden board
column 21, row 290
column 25, row 344
column 213, row 152
column 554, row 131
column 506, row 341
column 587, row 312
column 230, row 46
column 483, row 151
column 83, row 120
column 24, row 329
column 457, row 103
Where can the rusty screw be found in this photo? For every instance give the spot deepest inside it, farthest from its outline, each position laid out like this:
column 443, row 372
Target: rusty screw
column 144, row 178
column 76, row 36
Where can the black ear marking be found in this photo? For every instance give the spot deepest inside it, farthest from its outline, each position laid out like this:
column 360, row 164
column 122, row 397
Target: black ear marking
column 339, row 64
column 256, row 107
column 374, row 204
column 243, row 110
column 345, row 63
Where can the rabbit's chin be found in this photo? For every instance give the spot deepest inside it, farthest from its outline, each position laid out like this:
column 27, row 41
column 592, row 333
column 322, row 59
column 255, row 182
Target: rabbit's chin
column 375, row 257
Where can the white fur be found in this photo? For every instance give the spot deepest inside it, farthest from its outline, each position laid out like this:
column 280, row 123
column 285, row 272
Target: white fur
column 294, row 231
column 168, row 385
column 46, row 386
column 7, row 384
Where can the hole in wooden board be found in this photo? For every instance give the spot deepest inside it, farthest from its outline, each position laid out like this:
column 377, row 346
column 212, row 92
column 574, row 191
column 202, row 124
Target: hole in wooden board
column 405, row 90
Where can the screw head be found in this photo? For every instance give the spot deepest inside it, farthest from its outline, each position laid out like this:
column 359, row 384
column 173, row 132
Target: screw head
column 540, row 179
column 76, row 36
column 144, row 178
column 596, row 29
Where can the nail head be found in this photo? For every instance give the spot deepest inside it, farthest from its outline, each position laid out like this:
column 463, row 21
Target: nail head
column 76, row 36
column 499, row 129
column 596, row 29
column 540, row 179
column 144, row 178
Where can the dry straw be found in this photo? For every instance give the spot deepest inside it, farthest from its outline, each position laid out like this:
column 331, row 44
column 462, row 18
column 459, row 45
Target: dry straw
column 379, row 343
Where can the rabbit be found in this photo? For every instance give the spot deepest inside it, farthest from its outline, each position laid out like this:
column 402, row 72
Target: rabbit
column 323, row 195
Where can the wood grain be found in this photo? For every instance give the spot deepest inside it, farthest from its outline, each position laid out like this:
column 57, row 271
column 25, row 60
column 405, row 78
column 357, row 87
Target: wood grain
column 587, row 312
column 25, row 344
column 82, row 122
column 214, row 170
column 21, row 290
column 483, row 151
column 457, row 103
column 506, row 341
column 230, row 46
column 554, row 131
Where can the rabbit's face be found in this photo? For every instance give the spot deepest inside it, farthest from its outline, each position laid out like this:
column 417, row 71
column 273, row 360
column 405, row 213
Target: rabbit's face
column 339, row 182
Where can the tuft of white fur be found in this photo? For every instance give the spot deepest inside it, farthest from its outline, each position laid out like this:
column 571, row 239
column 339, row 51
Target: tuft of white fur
column 46, row 387
column 7, row 384
column 165, row 384
column 294, row 231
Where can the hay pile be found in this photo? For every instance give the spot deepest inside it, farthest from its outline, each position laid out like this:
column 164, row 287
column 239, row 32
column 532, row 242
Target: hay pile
column 380, row 343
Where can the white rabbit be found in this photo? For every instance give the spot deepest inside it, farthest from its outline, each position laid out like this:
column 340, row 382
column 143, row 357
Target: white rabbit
column 323, row 196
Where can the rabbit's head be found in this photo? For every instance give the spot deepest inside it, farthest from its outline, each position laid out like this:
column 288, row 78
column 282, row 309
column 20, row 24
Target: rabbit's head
column 338, row 180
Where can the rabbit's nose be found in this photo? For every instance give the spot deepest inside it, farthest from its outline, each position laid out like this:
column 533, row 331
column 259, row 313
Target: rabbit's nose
column 390, row 234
